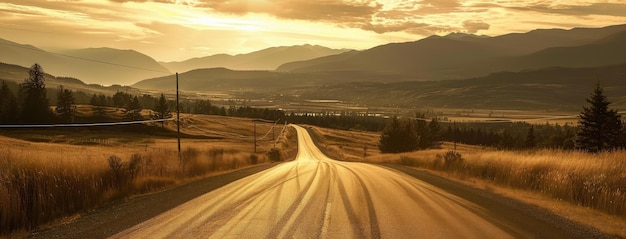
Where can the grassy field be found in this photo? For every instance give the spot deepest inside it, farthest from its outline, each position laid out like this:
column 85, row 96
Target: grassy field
column 589, row 188
column 53, row 173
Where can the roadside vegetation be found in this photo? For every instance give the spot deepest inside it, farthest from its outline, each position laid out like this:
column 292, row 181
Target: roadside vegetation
column 584, row 180
column 589, row 174
column 590, row 180
column 46, row 175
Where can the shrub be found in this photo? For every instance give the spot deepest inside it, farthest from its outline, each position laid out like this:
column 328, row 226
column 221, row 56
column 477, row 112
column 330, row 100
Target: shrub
column 450, row 158
column 116, row 166
column 133, row 166
column 274, row 155
column 254, row 159
column 407, row 161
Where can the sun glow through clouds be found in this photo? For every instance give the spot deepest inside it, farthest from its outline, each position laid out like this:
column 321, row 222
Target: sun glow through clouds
column 155, row 27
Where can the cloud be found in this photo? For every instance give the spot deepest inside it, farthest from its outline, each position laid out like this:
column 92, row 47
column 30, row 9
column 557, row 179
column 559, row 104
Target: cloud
column 366, row 15
column 472, row 26
column 602, row 9
column 323, row 10
column 437, row 6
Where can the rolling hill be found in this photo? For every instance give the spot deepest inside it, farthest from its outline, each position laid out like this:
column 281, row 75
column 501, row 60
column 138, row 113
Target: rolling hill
column 105, row 66
column 17, row 74
column 222, row 79
column 267, row 59
column 549, row 88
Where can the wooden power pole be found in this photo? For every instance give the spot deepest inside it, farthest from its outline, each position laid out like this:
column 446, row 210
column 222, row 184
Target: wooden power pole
column 178, row 118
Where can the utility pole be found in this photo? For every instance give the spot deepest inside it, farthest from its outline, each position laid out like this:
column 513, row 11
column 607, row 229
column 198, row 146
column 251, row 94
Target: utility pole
column 254, row 136
column 454, row 135
column 178, row 118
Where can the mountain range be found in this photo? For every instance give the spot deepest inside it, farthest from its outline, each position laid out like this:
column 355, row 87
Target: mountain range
column 108, row 66
column 104, row 66
column 459, row 56
column 266, row 59
column 453, row 70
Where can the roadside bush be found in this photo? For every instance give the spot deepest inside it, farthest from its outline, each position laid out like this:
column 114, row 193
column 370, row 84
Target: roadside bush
column 407, row 161
column 254, row 159
column 274, row 155
column 116, row 166
column 449, row 159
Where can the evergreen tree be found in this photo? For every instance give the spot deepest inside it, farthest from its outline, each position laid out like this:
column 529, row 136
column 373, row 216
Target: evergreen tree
column 161, row 110
column 423, row 134
column 35, row 107
column 133, row 110
column 121, row 99
column 506, row 141
column 8, row 105
column 600, row 128
column 398, row 136
column 65, row 105
column 434, row 133
column 530, row 138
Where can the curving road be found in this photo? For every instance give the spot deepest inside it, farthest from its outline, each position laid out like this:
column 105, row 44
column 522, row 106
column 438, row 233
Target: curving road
column 317, row 197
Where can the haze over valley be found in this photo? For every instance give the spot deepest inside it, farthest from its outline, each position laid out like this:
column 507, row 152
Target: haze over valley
column 526, row 68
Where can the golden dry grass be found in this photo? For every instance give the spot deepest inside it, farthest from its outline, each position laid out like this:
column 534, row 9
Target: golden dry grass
column 55, row 175
column 589, row 188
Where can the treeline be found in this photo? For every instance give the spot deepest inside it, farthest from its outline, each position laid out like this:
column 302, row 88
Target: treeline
column 517, row 135
column 344, row 121
column 503, row 135
column 28, row 102
column 599, row 128
column 405, row 135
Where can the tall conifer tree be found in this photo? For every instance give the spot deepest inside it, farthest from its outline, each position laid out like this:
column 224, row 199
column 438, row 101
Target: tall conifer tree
column 66, row 109
column 600, row 128
column 35, row 107
column 161, row 110
column 8, row 105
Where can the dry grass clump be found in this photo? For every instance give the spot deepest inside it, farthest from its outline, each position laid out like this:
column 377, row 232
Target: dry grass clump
column 591, row 180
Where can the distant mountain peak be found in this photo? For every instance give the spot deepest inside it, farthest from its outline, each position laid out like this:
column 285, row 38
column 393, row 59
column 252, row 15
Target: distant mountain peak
column 265, row 59
column 461, row 35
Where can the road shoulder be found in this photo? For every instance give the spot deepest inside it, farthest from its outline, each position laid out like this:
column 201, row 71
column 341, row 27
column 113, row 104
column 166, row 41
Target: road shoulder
column 499, row 209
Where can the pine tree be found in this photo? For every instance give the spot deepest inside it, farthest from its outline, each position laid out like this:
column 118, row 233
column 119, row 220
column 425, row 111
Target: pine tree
column 530, row 142
column 133, row 110
column 35, row 107
column 600, row 128
column 8, row 105
column 398, row 136
column 161, row 110
column 66, row 109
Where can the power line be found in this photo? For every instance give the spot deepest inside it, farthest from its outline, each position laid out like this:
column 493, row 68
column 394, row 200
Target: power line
column 270, row 130
column 84, row 59
column 83, row 125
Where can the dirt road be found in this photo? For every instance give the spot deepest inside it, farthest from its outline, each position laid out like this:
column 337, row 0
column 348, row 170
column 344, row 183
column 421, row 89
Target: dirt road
column 317, row 197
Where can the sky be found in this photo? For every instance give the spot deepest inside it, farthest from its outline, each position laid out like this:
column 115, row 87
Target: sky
column 175, row 30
